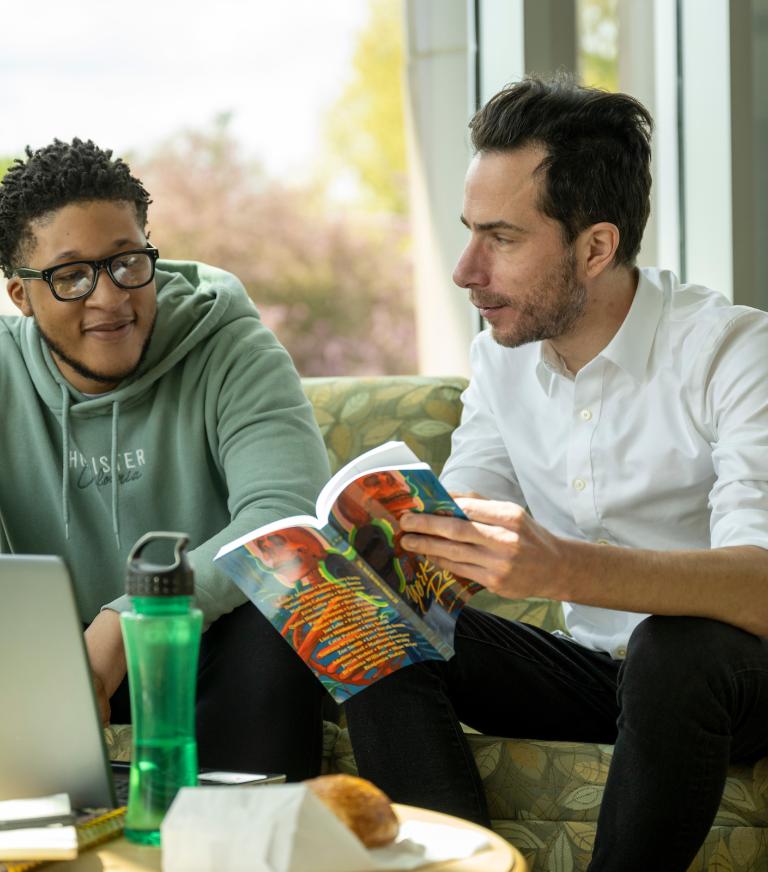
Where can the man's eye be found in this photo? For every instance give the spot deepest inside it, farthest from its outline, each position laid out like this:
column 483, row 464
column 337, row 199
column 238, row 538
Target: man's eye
column 71, row 276
column 502, row 240
column 127, row 261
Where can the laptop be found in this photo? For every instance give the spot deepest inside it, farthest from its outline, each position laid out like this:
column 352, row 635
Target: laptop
column 51, row 738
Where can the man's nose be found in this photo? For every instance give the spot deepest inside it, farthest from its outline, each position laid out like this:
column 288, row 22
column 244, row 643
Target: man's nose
column 106, row 294
column 470, row 269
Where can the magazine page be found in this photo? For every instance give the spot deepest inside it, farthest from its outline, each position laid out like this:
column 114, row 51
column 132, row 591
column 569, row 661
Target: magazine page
column 389, row 455
column 283, row 523
column 367, row 514
column 339, row 617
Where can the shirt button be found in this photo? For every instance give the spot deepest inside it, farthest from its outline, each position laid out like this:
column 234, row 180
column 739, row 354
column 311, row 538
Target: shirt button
column 586, row 415
column 579, row 484
column 621, row 652
column 603, row 542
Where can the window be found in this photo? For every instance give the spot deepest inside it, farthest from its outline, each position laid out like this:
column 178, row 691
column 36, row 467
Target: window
column 272, row 144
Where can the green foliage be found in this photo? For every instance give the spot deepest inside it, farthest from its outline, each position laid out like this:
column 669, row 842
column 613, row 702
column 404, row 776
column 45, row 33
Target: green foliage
column 334, row 286
column 5, row 163
column 365, row 127
column 598, row 43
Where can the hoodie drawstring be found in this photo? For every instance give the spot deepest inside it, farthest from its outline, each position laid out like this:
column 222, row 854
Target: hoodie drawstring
column 65, row 465
column 113, row 465
column 65, row 459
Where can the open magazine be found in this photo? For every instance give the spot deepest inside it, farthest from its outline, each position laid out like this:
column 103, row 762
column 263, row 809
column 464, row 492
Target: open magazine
column 339, row 587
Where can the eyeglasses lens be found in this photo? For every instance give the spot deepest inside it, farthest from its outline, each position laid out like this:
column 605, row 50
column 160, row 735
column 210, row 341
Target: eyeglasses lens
column 73, row 281
column 132, row 270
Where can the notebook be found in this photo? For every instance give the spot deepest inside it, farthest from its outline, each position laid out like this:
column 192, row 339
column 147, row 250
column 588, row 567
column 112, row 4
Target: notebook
column 51, row 739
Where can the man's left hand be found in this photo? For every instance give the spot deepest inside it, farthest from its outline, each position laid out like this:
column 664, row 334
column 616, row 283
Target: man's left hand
column 500, row 546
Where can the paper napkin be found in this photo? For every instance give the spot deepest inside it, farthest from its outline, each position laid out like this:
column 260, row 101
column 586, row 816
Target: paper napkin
column 286, row 828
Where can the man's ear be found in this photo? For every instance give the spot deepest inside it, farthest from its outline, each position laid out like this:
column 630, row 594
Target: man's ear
column 18, row 295
column 598, row 245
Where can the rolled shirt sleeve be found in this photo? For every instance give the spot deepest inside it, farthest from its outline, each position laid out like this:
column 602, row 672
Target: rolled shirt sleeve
column 737, row 399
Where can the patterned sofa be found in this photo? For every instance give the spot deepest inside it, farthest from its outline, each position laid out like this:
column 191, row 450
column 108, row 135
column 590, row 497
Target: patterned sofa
column 543, row 796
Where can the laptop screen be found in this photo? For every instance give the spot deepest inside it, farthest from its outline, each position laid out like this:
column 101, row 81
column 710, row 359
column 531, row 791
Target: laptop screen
column 51, row 739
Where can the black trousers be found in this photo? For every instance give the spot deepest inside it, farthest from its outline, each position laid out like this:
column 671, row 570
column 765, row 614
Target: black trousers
column 691, row 696
column 258, row 705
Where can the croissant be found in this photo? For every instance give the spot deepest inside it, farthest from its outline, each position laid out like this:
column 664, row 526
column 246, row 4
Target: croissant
column 360, row 805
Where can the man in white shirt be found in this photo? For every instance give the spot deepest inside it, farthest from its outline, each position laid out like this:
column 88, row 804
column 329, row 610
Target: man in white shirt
column 629, row 415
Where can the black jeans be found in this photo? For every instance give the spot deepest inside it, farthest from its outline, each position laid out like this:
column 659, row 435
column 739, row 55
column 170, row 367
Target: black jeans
column 258, row 706
column 691, row 696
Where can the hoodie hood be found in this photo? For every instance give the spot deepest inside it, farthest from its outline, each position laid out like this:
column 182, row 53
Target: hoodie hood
column 193, row 301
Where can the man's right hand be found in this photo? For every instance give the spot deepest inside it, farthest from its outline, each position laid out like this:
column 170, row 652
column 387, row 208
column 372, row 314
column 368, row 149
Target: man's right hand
column 104, row 644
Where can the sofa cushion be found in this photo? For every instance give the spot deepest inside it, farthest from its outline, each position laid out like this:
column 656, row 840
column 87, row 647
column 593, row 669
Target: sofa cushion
column 528, row 779
column 544, row 797
column 557, row 846
column 357, row 414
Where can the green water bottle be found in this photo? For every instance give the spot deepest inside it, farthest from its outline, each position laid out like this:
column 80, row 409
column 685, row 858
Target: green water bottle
column 162, row 641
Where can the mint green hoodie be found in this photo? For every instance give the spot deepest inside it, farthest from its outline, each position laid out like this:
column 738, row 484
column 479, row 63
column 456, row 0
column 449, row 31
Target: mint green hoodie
column 212, row 437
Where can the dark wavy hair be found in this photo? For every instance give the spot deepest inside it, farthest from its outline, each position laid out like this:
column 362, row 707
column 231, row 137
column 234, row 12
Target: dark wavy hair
column 598, row 153
column 53, row 177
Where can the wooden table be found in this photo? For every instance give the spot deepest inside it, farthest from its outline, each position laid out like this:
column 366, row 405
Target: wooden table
column 120, row 855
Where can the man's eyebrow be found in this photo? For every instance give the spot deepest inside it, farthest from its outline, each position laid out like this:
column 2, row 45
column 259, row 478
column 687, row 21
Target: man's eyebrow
column 75, row 255
column 493, row 225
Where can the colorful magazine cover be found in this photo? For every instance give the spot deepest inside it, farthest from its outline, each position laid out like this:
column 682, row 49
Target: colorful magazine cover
column 340, row 589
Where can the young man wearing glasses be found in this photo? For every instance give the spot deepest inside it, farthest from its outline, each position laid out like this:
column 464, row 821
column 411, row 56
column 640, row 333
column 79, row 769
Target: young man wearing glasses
column 140, row 394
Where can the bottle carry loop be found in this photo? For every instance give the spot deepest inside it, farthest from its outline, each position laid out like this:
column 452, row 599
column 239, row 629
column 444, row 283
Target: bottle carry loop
column 153, row 579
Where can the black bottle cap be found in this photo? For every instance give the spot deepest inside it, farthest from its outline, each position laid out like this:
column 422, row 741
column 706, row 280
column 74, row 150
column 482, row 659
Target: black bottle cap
column 154, row 579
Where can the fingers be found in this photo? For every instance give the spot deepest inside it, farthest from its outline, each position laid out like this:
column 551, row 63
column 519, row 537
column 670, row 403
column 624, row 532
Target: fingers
column 443, row 527
column 470, row 571
column 489, row 522
column 492, row 576
column 502, row 514
column 442, row 548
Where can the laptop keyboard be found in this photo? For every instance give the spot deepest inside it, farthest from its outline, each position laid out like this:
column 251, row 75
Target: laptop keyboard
column 121, row 782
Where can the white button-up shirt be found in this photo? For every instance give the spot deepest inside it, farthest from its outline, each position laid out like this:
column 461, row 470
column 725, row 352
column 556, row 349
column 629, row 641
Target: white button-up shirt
column 659, row 442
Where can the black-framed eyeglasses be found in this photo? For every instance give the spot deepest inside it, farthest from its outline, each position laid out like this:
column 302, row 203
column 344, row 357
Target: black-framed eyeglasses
column 76, row 280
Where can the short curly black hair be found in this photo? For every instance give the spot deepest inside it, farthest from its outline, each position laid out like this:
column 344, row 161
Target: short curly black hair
column 53, row 177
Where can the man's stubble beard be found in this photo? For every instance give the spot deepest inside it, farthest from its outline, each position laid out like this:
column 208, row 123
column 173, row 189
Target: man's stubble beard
column 84, row 371
column 553, row 320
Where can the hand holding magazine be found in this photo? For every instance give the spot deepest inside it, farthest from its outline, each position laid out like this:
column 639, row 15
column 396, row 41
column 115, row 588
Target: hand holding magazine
column 339, row 587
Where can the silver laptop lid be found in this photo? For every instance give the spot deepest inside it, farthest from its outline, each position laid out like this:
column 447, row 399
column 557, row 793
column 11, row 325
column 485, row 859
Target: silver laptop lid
column 51, row 740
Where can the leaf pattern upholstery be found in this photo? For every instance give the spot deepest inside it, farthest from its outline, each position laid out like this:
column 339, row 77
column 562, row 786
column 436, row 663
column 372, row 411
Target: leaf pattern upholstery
column 543, row 796
column 356, row 414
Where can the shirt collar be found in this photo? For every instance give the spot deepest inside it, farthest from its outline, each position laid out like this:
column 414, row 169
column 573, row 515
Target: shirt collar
column 550, row 365
column 629, row 349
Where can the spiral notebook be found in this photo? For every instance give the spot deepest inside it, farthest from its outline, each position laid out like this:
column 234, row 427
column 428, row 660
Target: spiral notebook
column 92, row 830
